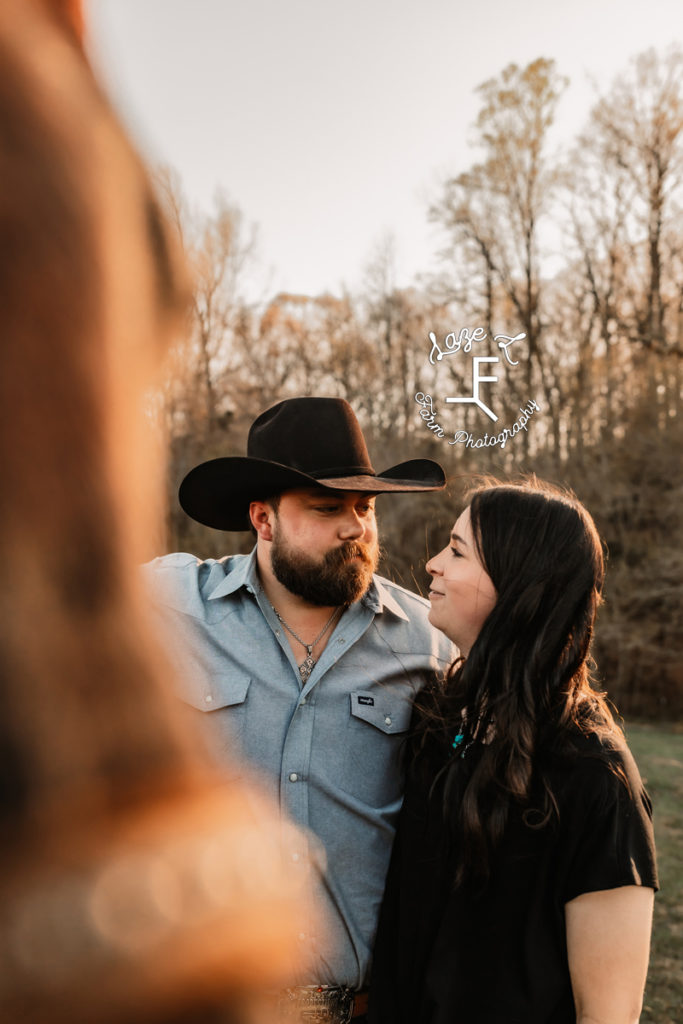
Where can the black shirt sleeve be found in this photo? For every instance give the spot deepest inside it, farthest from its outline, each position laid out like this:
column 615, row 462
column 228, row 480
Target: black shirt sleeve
column 609, row 828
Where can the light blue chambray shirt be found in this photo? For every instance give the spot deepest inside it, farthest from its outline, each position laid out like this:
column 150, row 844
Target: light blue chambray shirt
column 328, row 752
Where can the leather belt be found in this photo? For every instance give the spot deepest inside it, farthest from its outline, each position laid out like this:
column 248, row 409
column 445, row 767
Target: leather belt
column 321, row 1004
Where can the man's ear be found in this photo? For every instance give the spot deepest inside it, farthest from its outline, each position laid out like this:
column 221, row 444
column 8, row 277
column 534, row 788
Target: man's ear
column 262, row 515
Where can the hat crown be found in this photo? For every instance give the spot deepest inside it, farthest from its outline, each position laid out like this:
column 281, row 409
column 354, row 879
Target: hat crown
column 317, row 436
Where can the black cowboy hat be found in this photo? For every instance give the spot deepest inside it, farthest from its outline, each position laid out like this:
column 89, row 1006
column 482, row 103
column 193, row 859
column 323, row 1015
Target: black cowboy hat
column 301, row 442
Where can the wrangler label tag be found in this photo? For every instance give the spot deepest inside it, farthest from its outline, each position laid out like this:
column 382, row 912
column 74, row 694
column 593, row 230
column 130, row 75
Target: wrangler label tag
column 367, row 700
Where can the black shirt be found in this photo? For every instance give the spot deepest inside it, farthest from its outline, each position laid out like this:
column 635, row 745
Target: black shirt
column 497, row 954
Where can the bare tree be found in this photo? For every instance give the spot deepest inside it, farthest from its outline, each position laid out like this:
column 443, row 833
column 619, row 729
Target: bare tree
column 638, row 129
column 494, row 209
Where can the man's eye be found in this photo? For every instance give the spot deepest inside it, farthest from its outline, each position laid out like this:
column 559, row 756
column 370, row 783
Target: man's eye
column 326, row 508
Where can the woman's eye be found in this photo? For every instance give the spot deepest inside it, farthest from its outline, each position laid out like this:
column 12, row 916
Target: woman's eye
column 456, row 553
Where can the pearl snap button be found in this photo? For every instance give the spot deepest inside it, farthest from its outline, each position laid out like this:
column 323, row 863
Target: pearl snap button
column 208, row 698
column 293, row 777
column 387, row 721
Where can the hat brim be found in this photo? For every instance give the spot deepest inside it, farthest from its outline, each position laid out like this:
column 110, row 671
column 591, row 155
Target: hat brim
column 218, row 493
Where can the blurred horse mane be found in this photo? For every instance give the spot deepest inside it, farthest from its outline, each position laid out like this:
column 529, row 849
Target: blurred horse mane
column 96, row 763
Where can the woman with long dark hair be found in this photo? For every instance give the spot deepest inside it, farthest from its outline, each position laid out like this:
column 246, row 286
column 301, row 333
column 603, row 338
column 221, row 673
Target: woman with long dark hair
column 522, row 880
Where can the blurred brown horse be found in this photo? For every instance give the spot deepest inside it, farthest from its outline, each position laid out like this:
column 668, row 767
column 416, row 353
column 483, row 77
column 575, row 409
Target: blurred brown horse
column 134, row 887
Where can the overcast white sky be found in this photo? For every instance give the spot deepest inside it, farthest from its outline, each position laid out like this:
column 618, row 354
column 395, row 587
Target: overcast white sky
column 330, row 124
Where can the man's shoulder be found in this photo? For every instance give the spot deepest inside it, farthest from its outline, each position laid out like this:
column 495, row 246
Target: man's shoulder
column 183, row 565
column 182, row 580
column 406, row 599
column 404, row 618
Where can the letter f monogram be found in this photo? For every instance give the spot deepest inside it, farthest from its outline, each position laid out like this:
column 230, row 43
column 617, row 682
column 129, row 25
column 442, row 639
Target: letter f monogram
column 476, row 381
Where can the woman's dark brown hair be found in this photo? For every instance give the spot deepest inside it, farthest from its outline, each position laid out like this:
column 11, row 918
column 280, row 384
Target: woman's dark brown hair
column 525, row 688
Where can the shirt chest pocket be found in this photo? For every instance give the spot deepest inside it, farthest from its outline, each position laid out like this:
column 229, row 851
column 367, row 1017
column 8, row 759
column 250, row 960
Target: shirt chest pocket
column 223, row 702
column 370, row 761
column 384, row 711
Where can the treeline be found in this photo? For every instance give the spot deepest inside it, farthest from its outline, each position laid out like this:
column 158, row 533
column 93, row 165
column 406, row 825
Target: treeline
column 579, row 251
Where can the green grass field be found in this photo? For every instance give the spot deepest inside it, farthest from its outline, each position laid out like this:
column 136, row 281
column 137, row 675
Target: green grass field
column 659, row 753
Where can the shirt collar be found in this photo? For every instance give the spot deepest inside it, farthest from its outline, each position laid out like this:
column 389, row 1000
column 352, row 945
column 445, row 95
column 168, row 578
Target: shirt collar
column 377, row 597
column 242, row 575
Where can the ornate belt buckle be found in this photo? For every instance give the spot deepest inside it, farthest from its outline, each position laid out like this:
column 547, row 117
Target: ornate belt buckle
column 317, row 1005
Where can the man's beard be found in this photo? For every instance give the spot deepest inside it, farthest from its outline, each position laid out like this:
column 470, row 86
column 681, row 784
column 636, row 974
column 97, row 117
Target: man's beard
column 334, row 580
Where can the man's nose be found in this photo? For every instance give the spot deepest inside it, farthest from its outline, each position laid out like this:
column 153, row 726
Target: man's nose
column 352, row 526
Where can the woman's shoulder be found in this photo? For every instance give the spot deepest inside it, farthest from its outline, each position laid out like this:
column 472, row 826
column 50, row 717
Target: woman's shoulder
column 596, row 764
column 605, row 816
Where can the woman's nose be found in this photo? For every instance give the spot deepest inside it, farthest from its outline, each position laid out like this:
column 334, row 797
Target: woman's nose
column 435, row 565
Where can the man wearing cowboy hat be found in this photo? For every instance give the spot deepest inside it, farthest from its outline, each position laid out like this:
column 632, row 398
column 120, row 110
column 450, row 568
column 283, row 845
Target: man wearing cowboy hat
column 307, row 663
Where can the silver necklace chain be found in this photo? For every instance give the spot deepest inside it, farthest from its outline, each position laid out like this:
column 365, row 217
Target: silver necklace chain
column 308, row 664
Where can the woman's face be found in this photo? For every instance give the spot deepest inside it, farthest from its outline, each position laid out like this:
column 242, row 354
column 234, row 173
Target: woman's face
column 461, row 593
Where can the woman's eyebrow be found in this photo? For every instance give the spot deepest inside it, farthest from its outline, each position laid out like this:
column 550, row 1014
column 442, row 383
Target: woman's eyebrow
column 458, row 540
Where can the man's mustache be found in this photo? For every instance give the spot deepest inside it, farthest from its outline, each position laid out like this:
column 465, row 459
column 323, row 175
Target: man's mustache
column 338, row 557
